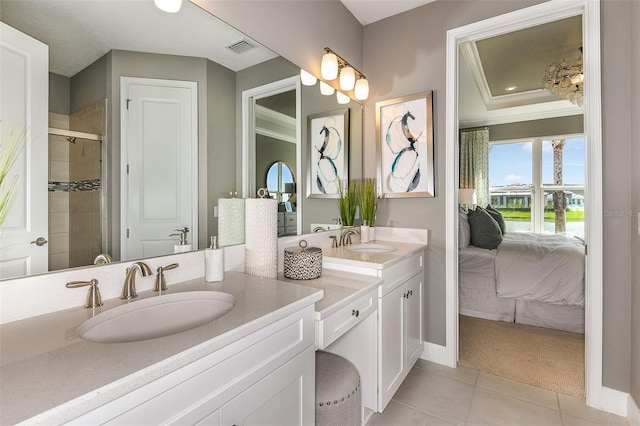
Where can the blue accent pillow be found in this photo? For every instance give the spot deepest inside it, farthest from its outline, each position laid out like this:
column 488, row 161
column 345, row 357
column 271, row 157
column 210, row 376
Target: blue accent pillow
column 485, row 231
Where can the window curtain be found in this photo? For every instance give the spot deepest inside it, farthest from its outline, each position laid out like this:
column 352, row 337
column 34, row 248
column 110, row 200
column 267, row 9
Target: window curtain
column 474, row 162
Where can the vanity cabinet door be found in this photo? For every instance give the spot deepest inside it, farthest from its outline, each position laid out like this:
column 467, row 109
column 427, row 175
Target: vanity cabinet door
column 391, row 362
column 413, row 321
column 284, row 397
column 400, row 336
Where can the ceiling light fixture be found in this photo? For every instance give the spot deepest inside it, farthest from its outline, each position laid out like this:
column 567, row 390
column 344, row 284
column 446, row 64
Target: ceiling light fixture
column 510, row 88
column 307, row 78
column 169, row 6
column 566, row 80
column 350, row 77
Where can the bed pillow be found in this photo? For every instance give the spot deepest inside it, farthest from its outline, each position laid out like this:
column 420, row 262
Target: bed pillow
column 497, row 216
column 485, row 231
column 464, row 230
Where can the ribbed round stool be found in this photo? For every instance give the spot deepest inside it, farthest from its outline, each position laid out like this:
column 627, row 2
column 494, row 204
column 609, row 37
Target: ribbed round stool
column 338, row 398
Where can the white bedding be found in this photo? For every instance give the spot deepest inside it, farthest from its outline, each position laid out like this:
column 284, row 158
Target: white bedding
column 542, row 267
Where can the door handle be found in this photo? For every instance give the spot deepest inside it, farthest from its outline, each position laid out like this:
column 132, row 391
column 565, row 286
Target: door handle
column 40, row 241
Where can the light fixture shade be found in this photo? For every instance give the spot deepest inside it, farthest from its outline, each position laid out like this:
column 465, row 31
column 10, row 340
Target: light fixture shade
column 307, row 78
column 342, row 98
column 325, row 89
column 467, row 196
column 329, row 66
column 347, row 78
column 362, row 89
column 170, row 6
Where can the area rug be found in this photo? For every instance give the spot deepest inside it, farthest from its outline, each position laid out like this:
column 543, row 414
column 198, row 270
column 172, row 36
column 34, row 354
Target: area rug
column 549, row 359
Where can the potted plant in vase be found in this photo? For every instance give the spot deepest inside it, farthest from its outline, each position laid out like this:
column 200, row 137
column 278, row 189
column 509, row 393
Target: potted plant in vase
column 347, row 201
column 368, row 202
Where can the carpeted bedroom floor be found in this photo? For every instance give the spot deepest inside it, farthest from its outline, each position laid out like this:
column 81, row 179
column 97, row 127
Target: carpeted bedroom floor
column 541, row 357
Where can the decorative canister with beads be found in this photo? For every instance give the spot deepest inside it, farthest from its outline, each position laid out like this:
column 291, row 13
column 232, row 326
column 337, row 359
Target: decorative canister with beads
column 302, row 263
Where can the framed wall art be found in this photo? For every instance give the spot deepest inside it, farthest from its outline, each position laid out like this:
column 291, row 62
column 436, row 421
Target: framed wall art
column 328, row 136
column 404, row 128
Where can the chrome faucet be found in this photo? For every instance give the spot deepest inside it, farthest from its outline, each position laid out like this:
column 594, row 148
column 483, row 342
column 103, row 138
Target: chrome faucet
column 345, row 237
column 129, row 288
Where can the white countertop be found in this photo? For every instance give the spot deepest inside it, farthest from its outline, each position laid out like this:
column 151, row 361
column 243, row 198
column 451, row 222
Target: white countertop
column 340, row 288
column 44, row 365
column 338, row 258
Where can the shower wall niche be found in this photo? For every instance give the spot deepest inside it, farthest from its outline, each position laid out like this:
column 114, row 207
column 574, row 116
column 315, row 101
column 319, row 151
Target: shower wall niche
column 76, row 186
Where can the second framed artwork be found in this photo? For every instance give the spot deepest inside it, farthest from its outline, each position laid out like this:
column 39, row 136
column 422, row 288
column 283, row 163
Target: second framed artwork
column 404, row 128
column 328, row 136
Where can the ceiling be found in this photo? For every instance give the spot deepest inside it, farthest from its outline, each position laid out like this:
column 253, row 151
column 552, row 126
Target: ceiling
column 369, row 11
column 79, row 32
column 519, row 58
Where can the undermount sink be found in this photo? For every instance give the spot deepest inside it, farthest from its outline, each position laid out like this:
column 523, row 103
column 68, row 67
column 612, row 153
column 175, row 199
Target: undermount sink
column 156, row 317
column 371, row 248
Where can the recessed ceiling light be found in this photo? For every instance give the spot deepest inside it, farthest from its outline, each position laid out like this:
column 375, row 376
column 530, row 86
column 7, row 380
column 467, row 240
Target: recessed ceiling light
column 510, row 88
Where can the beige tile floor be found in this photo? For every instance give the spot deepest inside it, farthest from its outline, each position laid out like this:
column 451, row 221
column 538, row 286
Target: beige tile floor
column 437, row 395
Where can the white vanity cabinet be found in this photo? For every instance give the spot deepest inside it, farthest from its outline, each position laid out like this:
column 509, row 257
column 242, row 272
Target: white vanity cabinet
column 400, row 336
column 385, row 345
column 267, row 377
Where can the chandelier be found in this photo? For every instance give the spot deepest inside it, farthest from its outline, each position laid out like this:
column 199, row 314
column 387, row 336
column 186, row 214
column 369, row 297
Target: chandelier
column 566, row 80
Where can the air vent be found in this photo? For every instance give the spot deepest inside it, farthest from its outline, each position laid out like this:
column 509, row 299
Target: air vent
column 241, row 46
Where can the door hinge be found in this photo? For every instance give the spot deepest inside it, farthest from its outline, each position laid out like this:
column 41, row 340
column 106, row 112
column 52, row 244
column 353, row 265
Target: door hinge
column 586, row 251
column 128, row 100
column 127, row 232
column 127, row 169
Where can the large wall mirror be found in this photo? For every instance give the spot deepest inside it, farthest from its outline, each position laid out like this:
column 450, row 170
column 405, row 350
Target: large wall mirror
column 92, row 47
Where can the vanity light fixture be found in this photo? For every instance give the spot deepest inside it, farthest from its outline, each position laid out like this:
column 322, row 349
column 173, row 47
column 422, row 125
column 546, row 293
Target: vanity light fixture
column 325, row 89
column 333, row 65
column 307, row 79
column 342, row 98
column 329, row 65
column 169, row 6
column 347, row 78
column 362, row 89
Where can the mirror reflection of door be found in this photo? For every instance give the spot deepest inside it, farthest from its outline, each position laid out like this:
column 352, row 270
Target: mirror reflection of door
column 159, row 139
column 276, row 150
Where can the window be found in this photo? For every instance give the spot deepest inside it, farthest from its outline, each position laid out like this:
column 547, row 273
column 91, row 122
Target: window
column 538, row 185
column 280, row 182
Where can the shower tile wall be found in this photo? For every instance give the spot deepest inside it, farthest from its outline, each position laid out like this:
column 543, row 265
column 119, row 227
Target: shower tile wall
column 85, row 232
column 58, row 200
column 75, row 231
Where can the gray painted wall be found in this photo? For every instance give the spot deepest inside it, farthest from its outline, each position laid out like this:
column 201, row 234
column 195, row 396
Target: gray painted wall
column 59, row 94
column 616, row 118
column 89, row 85
column 537, row 128
column 635, row 197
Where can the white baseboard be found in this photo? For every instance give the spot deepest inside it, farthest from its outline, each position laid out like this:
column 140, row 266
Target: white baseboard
column 435, row 353
column 614, row 401
column 633, row 412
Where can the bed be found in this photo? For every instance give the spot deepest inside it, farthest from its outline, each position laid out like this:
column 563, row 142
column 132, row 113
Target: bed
column 534, row 279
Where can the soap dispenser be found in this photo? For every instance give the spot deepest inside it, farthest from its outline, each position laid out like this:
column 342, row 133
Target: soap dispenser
column 214, row 262
column 182, row 246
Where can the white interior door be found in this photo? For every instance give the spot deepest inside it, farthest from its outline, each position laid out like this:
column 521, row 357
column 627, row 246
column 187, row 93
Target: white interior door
column 159, row 165
column 24, row 102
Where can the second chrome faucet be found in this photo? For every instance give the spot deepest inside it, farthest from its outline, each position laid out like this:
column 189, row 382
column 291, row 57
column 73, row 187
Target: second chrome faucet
column 129, row 288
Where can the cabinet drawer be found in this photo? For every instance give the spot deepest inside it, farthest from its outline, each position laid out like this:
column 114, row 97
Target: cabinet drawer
column 397, row 274
column 338, row 323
